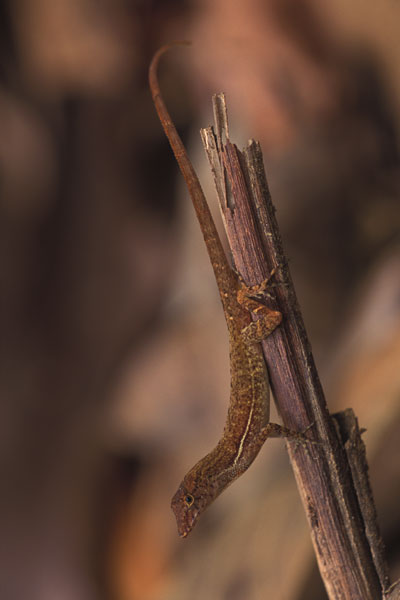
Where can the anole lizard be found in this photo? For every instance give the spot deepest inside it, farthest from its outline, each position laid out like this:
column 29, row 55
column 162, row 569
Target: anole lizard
column 247, row 426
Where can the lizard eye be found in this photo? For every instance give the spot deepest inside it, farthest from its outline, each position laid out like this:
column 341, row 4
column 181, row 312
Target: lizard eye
column 189, row 500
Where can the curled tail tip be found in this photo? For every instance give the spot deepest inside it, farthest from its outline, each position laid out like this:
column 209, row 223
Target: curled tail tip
column 176, row 43
column 156, row 57
column 153, row 79
column 165, row 47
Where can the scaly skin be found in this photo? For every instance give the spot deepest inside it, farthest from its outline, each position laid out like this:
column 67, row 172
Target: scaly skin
column 247, row 425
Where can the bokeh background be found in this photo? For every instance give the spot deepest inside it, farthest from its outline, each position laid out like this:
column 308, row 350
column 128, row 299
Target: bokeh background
column 113, row 351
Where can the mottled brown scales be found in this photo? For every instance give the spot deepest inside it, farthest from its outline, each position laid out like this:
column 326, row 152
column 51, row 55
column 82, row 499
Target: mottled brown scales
column 247, row 425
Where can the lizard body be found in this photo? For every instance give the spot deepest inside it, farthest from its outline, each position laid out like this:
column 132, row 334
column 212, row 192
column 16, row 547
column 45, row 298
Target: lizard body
column 247, row 426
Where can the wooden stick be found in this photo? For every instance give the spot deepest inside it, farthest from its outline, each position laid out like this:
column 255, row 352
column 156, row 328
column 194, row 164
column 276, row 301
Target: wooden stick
column 322, row 471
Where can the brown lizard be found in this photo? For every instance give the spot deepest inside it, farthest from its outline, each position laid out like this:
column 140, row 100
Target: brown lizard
column 247, row 426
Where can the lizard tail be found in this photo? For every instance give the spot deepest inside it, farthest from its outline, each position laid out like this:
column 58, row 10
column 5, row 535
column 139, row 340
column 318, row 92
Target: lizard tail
column 210, row 234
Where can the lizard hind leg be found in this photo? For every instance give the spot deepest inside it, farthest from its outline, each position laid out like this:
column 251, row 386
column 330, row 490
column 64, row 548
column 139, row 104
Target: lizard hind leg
column 268, row 319
column 259, row 330
column 261, row 289
column 257, row 289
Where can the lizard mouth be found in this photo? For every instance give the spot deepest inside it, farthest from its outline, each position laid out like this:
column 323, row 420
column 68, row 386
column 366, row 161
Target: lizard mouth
column 186, row 527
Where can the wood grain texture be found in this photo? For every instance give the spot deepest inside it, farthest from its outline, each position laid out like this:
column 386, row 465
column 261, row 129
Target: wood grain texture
column 322, row 471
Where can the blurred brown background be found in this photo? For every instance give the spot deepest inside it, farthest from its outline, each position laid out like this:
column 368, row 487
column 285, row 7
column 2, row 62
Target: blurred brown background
column 114, row 366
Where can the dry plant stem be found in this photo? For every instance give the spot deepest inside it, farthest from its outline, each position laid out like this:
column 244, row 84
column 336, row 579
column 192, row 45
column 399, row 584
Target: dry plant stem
column 393, row 593
column 350, row 436
column 322, row 471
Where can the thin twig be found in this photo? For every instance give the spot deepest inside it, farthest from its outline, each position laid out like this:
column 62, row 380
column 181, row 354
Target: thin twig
column 322, row 470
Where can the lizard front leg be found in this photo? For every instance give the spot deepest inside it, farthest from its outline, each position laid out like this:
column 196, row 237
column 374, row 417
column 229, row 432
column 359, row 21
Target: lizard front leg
column 271, row 430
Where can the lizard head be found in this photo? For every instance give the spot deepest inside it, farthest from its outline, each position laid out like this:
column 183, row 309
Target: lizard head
column 190, row 500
